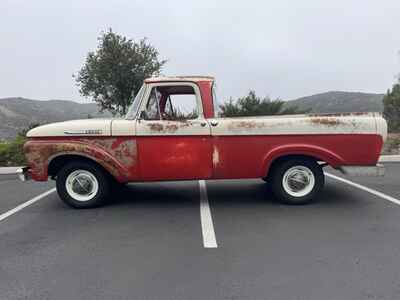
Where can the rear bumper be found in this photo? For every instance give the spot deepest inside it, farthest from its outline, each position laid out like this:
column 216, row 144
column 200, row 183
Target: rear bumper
column 24, row 174
column 378, row 170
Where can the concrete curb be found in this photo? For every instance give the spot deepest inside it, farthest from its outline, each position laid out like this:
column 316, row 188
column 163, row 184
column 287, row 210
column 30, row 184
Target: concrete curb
column 8, row 173
column 389, row 158
column 8, row 170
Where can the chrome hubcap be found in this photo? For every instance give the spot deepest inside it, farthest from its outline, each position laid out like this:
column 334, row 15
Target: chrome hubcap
column 82, row 185
column 298, row 181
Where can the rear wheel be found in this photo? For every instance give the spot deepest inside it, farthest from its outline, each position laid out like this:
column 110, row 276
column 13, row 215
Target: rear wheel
column 82, row 184
column 297, row 181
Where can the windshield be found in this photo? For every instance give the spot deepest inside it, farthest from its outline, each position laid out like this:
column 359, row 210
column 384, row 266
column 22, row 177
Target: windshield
column 132, row 112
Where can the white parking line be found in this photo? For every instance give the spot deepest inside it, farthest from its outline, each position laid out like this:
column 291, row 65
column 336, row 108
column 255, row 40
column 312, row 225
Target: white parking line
column 25, row 204
column 364, row 188
column 209, row 240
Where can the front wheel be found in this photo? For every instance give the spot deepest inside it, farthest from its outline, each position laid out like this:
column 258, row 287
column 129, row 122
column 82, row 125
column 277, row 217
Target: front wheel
column 82, row 184
column 297, row 181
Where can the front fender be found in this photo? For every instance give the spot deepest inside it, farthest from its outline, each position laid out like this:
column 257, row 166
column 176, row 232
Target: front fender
column 116, row 155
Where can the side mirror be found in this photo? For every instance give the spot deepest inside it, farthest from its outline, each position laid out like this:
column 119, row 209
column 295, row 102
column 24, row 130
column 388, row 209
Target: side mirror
column 143, row 115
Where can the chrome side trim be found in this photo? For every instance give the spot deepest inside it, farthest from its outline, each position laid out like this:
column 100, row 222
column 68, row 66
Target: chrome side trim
column 23, row 174
column 88, row 131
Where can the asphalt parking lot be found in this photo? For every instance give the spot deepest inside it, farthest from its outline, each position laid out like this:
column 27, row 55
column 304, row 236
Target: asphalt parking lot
column 226, row 240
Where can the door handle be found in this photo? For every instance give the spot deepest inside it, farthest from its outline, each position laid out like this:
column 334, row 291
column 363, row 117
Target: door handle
column 214, row 123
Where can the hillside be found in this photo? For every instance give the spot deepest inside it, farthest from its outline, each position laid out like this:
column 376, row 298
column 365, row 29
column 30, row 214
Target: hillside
column 18, row 113
column 332, row 102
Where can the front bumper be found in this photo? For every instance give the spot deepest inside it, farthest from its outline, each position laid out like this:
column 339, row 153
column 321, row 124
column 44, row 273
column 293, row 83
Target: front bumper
column 378, row 170
column 24, row 174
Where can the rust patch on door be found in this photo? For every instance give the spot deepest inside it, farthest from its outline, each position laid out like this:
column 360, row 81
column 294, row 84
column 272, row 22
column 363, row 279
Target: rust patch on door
column 245, row 125
column 156, row 127
column 168, row 127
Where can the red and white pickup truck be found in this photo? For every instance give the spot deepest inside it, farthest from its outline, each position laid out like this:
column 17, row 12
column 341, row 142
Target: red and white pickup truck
column 173, row 132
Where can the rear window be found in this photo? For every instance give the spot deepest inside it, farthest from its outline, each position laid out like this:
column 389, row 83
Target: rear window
column 217, row 108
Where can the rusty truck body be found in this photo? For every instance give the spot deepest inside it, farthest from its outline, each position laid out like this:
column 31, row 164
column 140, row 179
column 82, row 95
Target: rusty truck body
column 173, row 132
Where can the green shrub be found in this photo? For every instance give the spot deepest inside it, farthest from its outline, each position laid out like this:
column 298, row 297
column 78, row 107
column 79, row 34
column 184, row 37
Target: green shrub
column 11, row 153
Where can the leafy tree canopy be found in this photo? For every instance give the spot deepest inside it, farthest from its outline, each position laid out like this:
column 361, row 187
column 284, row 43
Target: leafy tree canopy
column 391, row 107
column 116, row 70
column 252, row 105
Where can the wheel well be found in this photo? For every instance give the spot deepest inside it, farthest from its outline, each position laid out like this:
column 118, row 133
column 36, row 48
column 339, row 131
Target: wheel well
column 277, row 161
column 58, row 162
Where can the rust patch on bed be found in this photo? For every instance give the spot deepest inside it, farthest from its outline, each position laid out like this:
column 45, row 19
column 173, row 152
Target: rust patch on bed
column 346, row 114
column 330, row 122
column 248, row 125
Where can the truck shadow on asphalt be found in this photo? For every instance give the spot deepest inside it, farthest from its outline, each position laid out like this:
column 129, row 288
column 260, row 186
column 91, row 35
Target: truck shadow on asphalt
column 227, row 192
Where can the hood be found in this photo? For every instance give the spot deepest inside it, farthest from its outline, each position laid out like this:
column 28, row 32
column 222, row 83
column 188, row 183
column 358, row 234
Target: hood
column 86, row 127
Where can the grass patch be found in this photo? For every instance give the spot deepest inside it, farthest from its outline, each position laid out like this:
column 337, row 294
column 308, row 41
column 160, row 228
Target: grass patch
column 392, row 144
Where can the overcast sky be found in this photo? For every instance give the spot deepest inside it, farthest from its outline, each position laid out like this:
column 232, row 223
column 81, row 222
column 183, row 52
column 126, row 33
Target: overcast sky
column 285, row 49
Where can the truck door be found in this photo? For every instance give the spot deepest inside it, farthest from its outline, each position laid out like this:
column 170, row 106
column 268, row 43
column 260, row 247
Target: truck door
column 174, row 139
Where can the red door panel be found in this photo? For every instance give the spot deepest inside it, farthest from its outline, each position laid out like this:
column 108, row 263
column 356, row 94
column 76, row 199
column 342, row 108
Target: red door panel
column 174, row 157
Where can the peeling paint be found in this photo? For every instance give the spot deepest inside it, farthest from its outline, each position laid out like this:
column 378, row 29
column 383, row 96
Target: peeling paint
column 117, row 155
column 215, row 156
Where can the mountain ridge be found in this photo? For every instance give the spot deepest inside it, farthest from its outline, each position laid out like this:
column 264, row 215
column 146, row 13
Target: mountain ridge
column 339, row 102
column 17, row 113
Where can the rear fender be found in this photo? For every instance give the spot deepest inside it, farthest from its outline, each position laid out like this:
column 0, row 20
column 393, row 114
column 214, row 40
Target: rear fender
column 319, row 153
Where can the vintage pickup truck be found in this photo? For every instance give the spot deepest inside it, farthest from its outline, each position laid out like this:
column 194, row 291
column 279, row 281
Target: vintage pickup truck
column 173, row 132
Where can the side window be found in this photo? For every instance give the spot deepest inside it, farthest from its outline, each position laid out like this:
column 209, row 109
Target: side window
column 171, row 102
column 181, row 107
column 152, row 111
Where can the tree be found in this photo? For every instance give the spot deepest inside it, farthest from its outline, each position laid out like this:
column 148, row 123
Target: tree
column 391, row 107
column 25, row 130
column 113, row 73
column 252, row 105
